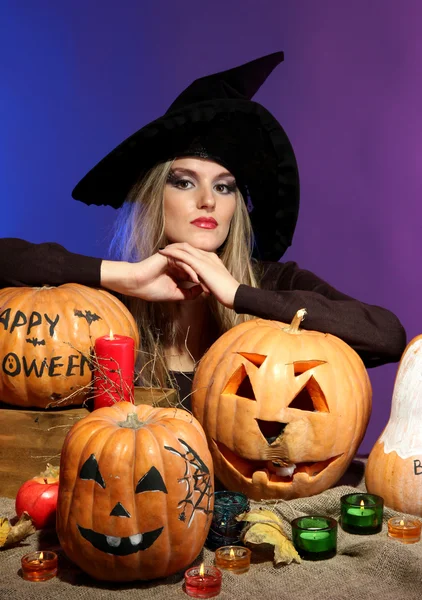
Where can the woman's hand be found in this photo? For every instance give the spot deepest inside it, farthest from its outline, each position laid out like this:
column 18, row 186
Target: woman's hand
column 208, row 269
column 156, row 279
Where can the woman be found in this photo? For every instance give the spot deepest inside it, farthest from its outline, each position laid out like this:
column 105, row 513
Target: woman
column 203, row 192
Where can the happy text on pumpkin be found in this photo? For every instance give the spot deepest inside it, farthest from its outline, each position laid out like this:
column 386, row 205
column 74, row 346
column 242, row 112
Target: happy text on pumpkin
column 56, row 366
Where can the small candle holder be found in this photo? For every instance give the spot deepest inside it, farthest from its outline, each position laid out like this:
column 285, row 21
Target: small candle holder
column 203, row 582
column 225, row 530
column 39, row 566
column 405, row 530
column 236, row 559
column 315, row 537
column 362, row 513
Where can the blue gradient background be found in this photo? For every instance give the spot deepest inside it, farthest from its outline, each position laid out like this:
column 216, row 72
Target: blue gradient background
column 78, row 77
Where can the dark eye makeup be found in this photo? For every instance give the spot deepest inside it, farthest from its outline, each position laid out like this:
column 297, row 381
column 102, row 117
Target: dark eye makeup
column 180, row 181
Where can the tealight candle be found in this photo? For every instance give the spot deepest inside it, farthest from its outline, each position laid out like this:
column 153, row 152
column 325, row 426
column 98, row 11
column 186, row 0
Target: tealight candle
column 39, row 566
column 361, row 513
column 203, row 582
column 225, row 530
column 236, row 559
column 114, row 373
column 407, row 531
column 315, row 537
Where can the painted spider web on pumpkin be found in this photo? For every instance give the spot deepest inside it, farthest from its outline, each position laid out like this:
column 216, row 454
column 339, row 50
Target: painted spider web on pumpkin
column 198, row 483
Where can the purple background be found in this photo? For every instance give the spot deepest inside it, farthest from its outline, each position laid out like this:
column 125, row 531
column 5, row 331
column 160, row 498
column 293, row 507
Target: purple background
column 79, row 76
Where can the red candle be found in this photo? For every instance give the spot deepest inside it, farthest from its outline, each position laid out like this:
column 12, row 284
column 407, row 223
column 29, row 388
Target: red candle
column 203, row 582
column 114, row 370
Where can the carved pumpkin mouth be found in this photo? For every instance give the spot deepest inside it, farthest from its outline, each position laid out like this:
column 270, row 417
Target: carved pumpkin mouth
column 248, row 468
column 120, row 546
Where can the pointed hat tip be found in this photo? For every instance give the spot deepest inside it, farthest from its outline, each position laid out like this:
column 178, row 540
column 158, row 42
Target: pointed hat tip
column 250, row 76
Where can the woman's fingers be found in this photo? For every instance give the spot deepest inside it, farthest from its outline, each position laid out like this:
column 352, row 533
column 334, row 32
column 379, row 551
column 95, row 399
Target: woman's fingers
column 189, row 293
column 180, row 269
column 209, row 269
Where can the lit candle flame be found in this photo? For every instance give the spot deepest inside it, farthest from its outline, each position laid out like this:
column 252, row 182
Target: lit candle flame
column 41, row 555
column 402, row 522
column 111, row 336
column 362, row 504
column 201, row 570
column 231, row 554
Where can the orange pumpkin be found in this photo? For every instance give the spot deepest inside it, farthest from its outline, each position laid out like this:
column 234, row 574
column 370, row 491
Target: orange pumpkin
column 46, row 335
column 136, row 492
column 394, row 468
column 284, row 409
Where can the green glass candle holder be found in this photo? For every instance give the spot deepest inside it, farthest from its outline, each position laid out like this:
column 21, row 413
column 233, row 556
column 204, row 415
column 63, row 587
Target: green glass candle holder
column 361, row 513
column 315, row 537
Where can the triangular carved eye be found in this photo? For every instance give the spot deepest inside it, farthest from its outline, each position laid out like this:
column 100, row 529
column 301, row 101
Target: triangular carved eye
column 152, row 481
column 90, row 470
column 301, row 366
column 255, row 359
column 310, row 398
column 239, row 384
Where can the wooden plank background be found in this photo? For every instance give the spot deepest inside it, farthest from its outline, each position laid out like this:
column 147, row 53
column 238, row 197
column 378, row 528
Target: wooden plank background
column 29, row 439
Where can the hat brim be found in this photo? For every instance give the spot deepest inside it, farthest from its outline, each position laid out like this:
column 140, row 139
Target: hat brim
column 265, row 164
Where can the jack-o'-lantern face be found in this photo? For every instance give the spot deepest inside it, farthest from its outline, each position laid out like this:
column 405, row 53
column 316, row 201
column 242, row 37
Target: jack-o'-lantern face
column 152, row 481
column 134, row 486
column 283, row 411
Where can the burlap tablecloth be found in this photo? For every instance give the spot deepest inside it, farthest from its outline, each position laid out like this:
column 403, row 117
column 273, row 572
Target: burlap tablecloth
column 365, row 567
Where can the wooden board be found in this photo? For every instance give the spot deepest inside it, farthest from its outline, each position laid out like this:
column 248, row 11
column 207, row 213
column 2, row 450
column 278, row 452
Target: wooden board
column 29, row 439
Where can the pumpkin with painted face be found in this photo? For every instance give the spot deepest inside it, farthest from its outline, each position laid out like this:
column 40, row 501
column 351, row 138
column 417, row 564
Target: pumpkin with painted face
column 135, row 493
column 284, row 409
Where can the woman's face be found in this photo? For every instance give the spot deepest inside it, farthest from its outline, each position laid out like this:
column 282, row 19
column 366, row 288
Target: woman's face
column 199, row 202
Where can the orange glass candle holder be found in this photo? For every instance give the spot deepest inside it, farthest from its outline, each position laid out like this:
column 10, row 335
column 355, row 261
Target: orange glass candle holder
column 236, row 559
column 203, row 582
column 407, row 531
column 39, row 566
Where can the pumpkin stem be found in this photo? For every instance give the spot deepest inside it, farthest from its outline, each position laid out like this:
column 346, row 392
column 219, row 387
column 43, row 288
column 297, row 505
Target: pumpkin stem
column 296, row 321
column 132, row 422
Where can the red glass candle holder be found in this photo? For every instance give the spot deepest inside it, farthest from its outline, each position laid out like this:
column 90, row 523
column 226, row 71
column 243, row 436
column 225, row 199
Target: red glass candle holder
column 236, row 559
column 39, row 566
column 203, row 582
column 407, row 531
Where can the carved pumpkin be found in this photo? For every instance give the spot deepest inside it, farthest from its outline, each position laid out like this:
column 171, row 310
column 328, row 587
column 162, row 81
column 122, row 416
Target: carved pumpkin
column 394, row 468
column 45, row 339
column 284, row 409
column 136, row 492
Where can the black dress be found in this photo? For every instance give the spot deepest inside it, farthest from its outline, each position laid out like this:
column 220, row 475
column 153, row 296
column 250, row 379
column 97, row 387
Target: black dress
column 373, row 332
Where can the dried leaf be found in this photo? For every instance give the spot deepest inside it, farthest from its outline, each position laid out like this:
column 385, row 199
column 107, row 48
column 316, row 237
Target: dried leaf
column 12, row 534
column 266, row 528
column 51, row 472
column 5, row 527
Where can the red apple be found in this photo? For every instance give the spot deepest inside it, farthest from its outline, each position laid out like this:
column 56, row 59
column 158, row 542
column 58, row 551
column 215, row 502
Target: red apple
column 38, row 497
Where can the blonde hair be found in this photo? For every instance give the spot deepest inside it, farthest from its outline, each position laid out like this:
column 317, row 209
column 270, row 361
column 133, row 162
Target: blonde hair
column 139, row 233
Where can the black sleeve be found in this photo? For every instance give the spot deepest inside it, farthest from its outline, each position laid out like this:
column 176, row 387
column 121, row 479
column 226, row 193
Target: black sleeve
column 373, row 332
column 25, row 264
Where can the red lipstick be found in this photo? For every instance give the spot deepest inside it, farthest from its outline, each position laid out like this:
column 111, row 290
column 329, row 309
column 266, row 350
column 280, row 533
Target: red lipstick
column 205, row 222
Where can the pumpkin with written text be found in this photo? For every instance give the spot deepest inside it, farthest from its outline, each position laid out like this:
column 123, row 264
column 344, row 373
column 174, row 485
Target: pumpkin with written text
column 284, row 409
column 394, row 467
column 46, row 337
column 136, row 492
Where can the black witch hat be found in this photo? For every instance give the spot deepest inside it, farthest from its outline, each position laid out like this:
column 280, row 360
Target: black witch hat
column 214, row 117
